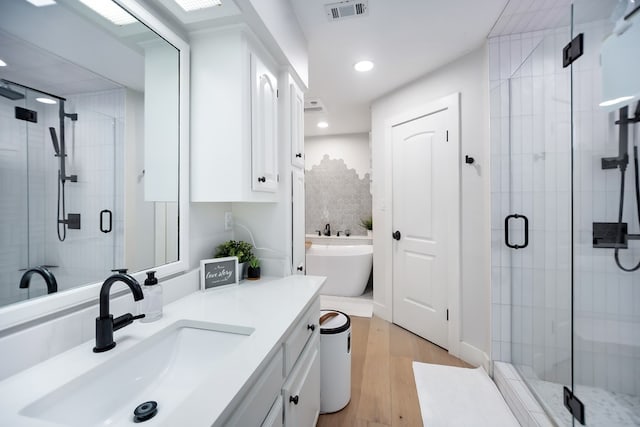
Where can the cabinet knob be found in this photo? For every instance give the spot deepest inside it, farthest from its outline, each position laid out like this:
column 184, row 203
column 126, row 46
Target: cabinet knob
column 299, row 155
column 300, row 268
column 294, row 399
column 262, row 179
column 312, row 327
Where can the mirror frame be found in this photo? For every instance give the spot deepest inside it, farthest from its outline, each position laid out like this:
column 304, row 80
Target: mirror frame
column 30, row 310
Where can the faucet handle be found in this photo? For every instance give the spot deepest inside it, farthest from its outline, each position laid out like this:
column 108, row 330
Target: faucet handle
column 319, row 232
column 124, row 320
column 119, row 270
column 338, row 233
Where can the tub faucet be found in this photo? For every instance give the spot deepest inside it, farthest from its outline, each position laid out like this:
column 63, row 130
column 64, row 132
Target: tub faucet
column 327, row 230
column 49, row 278
column 106, row 324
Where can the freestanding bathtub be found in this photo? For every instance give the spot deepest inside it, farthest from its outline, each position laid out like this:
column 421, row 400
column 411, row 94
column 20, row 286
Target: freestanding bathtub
column 347, row 267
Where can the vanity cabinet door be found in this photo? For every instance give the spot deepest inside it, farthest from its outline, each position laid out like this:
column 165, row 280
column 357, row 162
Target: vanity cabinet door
column 255, row 406
column 264, row 127
column 297, row 124
column 301, row 392
column 274, row 418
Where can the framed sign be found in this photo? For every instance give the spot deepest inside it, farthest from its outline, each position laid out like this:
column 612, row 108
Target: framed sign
column 218, row 272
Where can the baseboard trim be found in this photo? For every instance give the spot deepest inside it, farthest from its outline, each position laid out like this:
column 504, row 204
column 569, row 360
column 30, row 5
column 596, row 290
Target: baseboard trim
column 474, row 355
column 382, row 311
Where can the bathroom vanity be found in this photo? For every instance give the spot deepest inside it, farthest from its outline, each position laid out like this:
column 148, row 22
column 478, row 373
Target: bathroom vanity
column 242, row 355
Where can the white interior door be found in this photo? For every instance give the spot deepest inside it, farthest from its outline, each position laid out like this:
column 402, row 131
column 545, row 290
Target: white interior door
column 425, row 197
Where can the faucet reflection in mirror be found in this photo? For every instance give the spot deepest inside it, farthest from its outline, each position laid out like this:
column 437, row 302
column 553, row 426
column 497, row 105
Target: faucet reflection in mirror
column 49, row 278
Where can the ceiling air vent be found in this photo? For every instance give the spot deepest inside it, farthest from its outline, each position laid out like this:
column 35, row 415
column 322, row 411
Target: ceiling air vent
column 346, row 9
column 314, row 105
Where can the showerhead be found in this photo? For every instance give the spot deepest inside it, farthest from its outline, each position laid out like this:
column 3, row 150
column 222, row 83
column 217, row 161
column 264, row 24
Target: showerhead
column 10, row 93
column 54, row 140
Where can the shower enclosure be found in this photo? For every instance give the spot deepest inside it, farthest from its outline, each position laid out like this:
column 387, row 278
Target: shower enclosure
column 31, row 164
column 566, row 214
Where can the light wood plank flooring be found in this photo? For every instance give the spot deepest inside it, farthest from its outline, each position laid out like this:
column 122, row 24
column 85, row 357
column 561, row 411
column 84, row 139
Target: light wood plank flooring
column 383, row 390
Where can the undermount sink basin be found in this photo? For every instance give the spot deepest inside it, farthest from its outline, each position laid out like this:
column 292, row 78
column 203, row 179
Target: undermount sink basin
column 163, row 368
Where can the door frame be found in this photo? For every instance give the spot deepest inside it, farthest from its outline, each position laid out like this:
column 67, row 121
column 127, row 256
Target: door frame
column 450, row 103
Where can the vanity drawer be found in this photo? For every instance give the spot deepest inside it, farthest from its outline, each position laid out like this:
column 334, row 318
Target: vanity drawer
column 306, row 327
column 256, row 405
column 274, row 418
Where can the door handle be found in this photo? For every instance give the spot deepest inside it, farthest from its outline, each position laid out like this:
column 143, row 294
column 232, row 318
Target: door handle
column 300, row 268
column 396, row 235
column 262, row 179
column 507, row 240
column 299, row 155
column 102, row 227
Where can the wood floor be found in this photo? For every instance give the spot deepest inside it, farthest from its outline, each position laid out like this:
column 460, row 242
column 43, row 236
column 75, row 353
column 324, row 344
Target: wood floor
column 383, row 390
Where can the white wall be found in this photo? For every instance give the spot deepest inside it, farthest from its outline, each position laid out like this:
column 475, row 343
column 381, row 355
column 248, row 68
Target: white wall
column 353, row 149
column 469, row 76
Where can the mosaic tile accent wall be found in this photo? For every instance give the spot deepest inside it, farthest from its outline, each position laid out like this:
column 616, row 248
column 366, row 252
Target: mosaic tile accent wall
column 336, row 195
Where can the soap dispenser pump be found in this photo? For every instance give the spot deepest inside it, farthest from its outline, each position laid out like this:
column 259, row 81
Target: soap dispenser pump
column 151, row 305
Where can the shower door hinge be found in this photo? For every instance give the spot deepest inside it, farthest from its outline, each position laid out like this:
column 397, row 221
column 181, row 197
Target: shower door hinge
column 573, row 50
column 574, row 405
column 447, row 136
column 447, row 314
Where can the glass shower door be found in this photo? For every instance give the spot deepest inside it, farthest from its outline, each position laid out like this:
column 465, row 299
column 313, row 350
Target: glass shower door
column 538, row 226
column 14, row 227
column 606, row 297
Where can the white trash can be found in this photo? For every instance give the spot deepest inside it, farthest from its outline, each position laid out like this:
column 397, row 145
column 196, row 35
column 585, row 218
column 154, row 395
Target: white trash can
column 335, row 366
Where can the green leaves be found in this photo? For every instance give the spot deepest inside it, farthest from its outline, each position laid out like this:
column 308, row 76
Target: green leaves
column 238, row 248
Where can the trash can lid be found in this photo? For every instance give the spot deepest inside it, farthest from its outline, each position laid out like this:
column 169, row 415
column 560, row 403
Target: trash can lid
column 335, row 324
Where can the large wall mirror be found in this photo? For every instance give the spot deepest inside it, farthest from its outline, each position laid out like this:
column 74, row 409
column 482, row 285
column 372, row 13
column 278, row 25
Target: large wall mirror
column 90, row 148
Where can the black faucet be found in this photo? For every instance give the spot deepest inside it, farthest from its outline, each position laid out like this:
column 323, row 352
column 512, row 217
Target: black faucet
column 327, row 230
column 49, row 278
column 106, row 324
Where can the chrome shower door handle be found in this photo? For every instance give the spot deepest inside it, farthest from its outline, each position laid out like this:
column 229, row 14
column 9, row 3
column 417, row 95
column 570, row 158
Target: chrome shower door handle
column 507, row 240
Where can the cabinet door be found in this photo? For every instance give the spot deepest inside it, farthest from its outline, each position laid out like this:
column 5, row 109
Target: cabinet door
column 298, row 217
column 297, row 125
column 264, row 127
column 302, row 391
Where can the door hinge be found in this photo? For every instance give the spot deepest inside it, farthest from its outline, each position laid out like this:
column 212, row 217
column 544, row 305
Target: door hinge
column 447, row 136
column 573, row 50
column 277, row 93
column 278, row 178
column 574, row 405
column 447, row 314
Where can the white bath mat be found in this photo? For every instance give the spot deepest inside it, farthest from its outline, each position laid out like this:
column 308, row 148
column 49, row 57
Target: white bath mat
column 453, row 397
column 360, row 307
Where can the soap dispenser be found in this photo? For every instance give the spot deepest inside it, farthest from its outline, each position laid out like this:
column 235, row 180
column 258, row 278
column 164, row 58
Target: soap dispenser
column 151, row 305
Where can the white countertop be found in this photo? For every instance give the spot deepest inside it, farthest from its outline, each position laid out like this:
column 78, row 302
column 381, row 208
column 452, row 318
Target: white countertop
column 269, row 306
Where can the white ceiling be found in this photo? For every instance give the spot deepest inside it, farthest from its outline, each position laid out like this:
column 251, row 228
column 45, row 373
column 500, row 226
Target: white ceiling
column 405, row 38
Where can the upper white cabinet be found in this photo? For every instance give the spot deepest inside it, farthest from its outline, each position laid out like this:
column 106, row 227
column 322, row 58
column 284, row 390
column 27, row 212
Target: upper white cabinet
column 264, row 126
column 297, row 124
column 234, row 119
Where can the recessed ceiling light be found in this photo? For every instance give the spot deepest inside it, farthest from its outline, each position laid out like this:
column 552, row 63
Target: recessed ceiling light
column 46, row 100
column 363, row 66
column 110, row 11
column 40, row 3
column 2, row 63
column 615, row 101
column 189, row 5
column 323, row 125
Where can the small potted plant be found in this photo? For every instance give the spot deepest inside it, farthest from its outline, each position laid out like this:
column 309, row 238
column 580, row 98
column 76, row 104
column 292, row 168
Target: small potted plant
column 237, row 248
column 253, row 273
column 367, row 224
